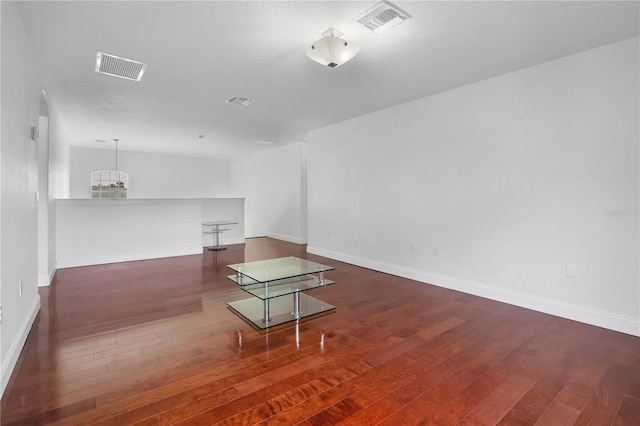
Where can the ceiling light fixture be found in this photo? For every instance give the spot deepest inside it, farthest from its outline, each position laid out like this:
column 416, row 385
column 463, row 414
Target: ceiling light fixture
column 331, row 50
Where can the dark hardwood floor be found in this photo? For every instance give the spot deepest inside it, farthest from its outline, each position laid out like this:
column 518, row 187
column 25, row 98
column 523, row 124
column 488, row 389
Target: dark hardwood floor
column 152, row 342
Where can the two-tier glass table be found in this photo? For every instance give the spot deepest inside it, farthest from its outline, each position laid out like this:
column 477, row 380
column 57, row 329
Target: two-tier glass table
column 213, row 227
column 271, row 281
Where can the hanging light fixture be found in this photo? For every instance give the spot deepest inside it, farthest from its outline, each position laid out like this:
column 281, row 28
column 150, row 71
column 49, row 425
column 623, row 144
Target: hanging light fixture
column 331, row 50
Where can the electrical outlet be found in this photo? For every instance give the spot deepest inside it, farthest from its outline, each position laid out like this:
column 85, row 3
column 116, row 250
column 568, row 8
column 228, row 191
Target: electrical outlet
column 436, row 251
column 20, row 287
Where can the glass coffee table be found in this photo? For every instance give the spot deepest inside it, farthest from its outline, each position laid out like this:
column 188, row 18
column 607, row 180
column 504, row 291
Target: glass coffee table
column 270, row 282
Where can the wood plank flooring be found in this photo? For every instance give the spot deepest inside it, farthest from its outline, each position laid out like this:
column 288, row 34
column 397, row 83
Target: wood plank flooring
column 152, row 342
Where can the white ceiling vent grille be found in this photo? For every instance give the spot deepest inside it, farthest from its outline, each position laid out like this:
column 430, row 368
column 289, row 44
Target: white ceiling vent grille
column 120, row 67
column 236, row 100
column 382, row 17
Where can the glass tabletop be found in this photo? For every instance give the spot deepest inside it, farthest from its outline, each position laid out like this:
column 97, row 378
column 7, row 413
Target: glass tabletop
column 219, row 222
column 277, row 269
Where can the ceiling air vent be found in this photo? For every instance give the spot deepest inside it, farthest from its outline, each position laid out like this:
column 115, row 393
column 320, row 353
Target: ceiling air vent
column 382, row 16
column 236, row 100
column 119, row 67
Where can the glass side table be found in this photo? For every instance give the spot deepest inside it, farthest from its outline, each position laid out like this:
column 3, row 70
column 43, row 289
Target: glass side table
column 213, row 227
column 270, row 281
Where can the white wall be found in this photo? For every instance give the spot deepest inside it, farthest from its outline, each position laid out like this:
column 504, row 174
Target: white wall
column 44, row 273
column 273, row 183
column 57, row 187
column 151, row 175
column 511, row 179
column 2, row 350
column 59, row 162
column 20, row 89
column 249, row 179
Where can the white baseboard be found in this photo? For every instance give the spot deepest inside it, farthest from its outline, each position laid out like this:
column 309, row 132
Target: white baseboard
column 44, row 280
column 13, row 353
column 623, row 324
column 288, row 238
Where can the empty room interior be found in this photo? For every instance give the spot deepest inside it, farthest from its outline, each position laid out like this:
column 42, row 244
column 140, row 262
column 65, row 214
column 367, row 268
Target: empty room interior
column 320, row 212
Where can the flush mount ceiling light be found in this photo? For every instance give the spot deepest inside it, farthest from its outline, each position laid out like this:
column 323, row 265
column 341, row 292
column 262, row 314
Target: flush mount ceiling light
column 382, row 17
column 263, row 142
column 331, row 50
column 119, row 67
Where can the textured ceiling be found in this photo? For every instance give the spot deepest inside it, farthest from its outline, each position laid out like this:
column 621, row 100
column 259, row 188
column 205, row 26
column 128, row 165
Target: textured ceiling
column 202, row 53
